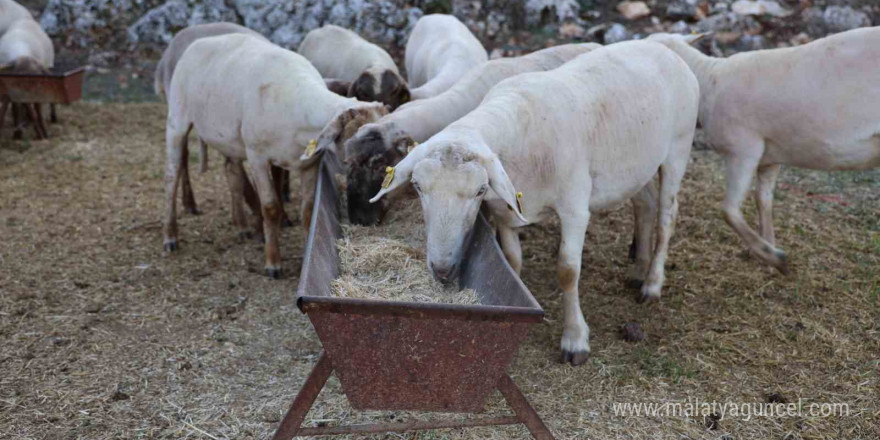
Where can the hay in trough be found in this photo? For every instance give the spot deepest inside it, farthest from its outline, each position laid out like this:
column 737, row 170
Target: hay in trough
column 388, row 262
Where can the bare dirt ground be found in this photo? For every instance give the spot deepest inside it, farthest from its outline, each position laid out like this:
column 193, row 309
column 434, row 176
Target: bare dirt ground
column 104, row 336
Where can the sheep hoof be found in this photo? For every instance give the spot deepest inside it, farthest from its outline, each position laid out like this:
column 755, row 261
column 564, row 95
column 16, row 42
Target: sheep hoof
column 171, row 246
column 245, row 235
column 646, row 297
column 782, row 263
column 192, row 210
column 286, row 222
column 273, row 272
column 285, row 197
column 575, row 358
column 634, row 283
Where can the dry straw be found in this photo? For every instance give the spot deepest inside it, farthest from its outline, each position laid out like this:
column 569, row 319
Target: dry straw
column 388, row 262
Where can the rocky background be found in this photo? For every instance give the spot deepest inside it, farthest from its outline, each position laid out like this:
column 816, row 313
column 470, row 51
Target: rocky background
column 112, row 33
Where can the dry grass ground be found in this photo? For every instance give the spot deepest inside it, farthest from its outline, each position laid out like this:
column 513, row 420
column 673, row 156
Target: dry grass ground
column 103, row 336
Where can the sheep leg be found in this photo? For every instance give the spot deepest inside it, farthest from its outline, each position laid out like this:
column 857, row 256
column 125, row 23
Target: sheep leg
column 671, row 174
column 39, row 124
column 645, row 210
column 739, row 177
column 576, row 334
column 285, row 187
column 16, row 121
column 175, row 145
column 764, row 191
column 53, row 115
column 271, row 208
column 235, row 179
column 278, row 181
column 189, row 199
column 253, row 202
column 511, row 246
column 3, row 109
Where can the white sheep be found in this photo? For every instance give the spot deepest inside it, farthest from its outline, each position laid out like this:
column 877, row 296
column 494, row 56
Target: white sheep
column 440, row 50
column 162, row 81
column 814, row 106
column 344, row 55
column 10, row 12
column 26, row 47
column 578, row 139
column 182, row 40
column 254, row 101
column 386, row 141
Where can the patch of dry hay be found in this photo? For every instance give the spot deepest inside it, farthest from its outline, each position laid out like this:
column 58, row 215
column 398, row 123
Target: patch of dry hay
column 388, row 262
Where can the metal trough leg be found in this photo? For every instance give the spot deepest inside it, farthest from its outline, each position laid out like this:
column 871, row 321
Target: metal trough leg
column 304, row 400
column 291, row 425
column 524, row 411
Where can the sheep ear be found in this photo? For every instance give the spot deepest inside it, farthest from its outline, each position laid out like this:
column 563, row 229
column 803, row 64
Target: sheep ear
column 695, row 38
column 327, row 138
column 404, row 145
column 500, row 182
column 398, row 175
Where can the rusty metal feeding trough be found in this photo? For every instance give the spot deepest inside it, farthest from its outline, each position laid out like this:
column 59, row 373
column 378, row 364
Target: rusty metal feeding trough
column 62, row 85
column 412, row 356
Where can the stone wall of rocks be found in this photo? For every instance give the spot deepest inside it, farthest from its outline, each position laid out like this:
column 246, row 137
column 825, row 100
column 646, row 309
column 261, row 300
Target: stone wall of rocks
column 739, row 24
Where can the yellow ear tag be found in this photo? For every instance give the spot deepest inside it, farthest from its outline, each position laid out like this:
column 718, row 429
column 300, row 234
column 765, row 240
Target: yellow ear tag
column 389, row 176
column 310, row 149
column 519, row 201
column 411, row 147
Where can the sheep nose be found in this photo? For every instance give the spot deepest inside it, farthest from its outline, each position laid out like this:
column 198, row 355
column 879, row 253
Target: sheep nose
column 444, row 274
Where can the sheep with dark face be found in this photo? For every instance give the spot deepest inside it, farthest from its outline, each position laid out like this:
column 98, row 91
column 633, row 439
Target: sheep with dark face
column 343, row 55
column 386, row 142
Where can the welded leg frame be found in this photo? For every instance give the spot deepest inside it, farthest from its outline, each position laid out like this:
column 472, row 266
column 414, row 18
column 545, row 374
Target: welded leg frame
column 291, row 425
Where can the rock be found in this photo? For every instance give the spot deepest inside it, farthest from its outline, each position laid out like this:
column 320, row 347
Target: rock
column 844, row 18
column 210, row 11
column 751, row 42
column 159, row 24
column 759, row 7
column 564, row 10
column 800, row 39
column 615, row 34
column 571, row 30
column 727, row 22
column 727, row 37
column 678, row 10
column 633, row 10
column 680, row 27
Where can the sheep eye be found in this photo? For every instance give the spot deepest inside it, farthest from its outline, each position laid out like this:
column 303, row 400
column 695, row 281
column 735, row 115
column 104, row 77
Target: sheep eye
column 482, row 191
column 417, row 187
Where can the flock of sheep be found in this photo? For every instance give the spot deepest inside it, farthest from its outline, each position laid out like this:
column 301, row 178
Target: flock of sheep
column 564, row 131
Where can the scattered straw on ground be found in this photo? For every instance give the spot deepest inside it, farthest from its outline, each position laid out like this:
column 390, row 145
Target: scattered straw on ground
column 104, row 336
column 388, row 262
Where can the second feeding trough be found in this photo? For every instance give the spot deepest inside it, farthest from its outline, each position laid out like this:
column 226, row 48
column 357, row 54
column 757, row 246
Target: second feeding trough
column 62, row 85
column 406, row 356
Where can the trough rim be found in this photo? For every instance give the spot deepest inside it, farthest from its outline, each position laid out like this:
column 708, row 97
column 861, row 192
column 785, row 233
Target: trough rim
column 329, row 162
